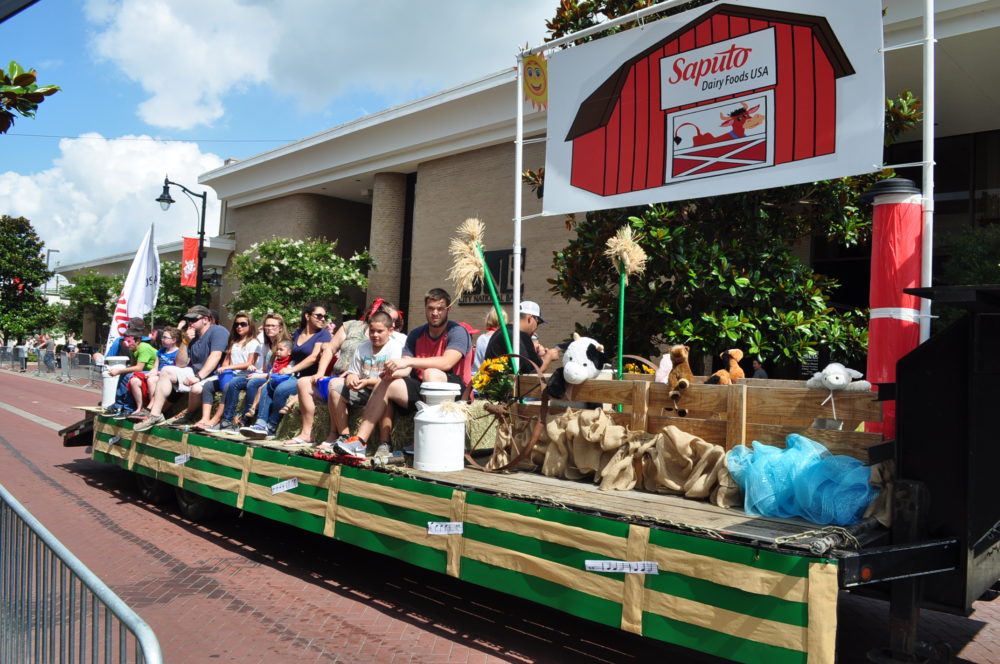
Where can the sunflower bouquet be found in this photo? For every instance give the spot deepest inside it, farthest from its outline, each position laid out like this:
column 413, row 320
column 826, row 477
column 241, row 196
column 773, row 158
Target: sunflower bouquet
column 494, row 380
column 636, row 368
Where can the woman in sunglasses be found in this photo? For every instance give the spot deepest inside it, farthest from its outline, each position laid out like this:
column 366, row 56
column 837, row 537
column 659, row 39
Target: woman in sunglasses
column 307, row 341
column 240, row 358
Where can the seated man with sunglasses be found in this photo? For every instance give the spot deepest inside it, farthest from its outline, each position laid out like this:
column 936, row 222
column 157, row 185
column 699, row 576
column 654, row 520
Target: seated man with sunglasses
column 204, row 356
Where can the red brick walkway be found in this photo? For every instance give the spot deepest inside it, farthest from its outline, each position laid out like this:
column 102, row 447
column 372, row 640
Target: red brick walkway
column 244, row 589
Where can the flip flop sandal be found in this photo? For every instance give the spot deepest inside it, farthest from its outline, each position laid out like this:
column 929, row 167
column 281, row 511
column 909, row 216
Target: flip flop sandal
column 296, row 442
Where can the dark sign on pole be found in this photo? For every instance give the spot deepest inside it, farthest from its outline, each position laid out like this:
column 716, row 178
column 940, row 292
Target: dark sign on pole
column 501, row 266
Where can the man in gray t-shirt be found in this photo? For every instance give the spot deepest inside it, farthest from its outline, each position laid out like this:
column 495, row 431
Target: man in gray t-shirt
column 204, row 354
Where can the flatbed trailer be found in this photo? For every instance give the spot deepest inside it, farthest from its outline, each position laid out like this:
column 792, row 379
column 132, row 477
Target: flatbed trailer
column 744, row 588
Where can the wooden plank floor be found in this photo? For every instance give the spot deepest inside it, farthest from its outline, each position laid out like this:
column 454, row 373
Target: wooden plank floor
column 627, row 504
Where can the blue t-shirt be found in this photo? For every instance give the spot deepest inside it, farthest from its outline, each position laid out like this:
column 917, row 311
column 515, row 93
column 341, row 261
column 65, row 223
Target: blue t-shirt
column 300, row 353
column 215, row 338
column 167, row 359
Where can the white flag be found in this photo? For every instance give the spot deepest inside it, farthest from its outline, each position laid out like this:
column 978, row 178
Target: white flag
column 142, row 286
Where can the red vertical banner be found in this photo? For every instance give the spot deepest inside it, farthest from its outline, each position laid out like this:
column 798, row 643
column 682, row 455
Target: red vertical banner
column 189, row 263
column 894, row 328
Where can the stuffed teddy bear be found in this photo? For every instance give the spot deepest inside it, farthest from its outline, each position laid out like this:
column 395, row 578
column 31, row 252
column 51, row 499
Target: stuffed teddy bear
column 582, row 358
column 732, row 373
column 680, row 375
column 836, row 377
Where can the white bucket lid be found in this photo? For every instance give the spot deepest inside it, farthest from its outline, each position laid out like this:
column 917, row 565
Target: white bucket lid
column 440, row 388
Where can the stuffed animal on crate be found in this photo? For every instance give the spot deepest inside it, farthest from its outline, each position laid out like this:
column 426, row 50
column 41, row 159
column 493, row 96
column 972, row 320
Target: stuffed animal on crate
column 680, row 375
column 583, row 358
column 836, row 377
column 732, row 373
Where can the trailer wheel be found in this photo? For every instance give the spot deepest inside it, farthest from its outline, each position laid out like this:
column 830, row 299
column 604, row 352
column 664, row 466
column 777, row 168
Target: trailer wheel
column 152, row 490
column 194, row 506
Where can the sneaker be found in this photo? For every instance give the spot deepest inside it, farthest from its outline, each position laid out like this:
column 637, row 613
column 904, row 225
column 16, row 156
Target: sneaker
column 123, row 414
column 139, row 414
column 112, row 411
column 182, row 420
column 353, row 446
column 255, row 431
column 384, row 450
column 149, row 423
column 219, row 426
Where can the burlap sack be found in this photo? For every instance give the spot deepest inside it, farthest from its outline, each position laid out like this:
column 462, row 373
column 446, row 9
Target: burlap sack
column 512, row 437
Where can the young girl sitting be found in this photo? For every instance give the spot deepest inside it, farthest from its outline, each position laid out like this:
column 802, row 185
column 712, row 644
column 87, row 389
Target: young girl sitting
column 355, row 387
column 282, row 354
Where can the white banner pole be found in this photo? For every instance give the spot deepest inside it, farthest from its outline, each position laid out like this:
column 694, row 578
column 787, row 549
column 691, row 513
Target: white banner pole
column 927, row 250
column 515, row 317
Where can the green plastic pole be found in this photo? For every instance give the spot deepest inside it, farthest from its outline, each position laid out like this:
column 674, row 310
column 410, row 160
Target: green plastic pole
column 621, row 327
column 496, row 305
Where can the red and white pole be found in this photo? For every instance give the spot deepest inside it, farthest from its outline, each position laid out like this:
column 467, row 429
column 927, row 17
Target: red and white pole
column 894, row 325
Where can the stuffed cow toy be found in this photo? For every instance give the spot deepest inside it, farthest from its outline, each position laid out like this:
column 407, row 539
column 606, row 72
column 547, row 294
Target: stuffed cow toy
column 583, row 358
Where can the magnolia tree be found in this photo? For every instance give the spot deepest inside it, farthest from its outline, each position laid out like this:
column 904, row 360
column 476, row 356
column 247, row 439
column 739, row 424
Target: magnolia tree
column 282, row 275
column 20, row 94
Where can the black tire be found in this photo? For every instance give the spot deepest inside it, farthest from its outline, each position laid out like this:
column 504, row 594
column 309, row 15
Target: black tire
column 194, row 506
column 152, row 490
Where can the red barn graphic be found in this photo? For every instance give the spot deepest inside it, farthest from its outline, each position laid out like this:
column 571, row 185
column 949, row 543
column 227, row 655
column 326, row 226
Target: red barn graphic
column 736, row 89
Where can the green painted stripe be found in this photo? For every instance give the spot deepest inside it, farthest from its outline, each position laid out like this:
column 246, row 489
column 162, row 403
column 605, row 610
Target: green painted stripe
column 169, row 434
column 729, row 598
column 214, row 468
column 220, row 495
column 291, row 460
column 225, row 446
column 156, row 452
column 735, row 553
column 107, row 458
column 303, row 520
column 717, row 643
column 309, row 463
column 544, row 592
column 557, row 553
column 397, row 482
column 415, row 554
column 565, row 517
column 303, row 489
column 394, row 512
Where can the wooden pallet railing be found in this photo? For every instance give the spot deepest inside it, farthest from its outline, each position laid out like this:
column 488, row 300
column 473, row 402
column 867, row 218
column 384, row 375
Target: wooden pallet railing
column 730, row 415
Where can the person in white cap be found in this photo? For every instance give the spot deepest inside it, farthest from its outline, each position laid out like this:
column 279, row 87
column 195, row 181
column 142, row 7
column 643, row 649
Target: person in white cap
column 531, row 318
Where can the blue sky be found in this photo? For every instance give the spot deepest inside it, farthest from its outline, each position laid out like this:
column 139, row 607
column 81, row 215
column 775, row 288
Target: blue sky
column 177, row 86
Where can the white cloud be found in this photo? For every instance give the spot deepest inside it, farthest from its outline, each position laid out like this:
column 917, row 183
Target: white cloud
column 98, row 199
column 188, row 54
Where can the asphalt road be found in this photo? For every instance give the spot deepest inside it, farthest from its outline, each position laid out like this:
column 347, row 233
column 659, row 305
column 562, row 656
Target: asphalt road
column 245, row 589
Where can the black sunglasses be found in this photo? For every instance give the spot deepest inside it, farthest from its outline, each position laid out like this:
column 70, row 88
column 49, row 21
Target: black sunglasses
column 241, row 323
column 319, row 316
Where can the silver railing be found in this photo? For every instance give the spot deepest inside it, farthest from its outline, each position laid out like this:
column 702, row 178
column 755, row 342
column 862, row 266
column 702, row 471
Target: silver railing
column 53, row 609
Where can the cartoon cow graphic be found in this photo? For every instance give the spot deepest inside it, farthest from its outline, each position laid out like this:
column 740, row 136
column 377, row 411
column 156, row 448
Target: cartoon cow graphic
column 743, row 118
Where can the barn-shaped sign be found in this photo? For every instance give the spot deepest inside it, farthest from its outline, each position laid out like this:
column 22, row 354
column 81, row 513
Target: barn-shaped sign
column 738, row 88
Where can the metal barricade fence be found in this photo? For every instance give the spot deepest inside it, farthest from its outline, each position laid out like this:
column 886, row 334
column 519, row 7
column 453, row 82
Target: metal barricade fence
column 80, row 368
column 7, row 358
column 55, row 610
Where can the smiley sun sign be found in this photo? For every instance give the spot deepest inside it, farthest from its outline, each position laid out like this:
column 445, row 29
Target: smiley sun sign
column 536, row 84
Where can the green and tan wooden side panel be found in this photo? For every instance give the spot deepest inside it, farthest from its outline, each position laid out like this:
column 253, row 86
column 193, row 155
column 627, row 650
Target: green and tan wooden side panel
column 722, row 598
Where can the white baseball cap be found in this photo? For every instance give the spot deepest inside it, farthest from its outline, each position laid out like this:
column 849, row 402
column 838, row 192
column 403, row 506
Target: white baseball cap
column 531, row 309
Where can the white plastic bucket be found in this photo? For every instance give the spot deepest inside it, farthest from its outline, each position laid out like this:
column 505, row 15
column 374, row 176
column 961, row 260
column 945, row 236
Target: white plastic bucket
column 438, row 439
column 435, row 393
column 110, row 384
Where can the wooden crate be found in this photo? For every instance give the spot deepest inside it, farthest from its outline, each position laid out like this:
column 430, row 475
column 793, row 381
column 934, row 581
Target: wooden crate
column 730, row 415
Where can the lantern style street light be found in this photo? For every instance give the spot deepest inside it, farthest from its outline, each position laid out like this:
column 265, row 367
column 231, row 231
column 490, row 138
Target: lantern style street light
column 166, row 201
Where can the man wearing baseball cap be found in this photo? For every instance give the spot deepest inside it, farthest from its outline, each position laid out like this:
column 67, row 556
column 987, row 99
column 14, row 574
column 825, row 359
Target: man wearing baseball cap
column 530, row 319
column 204, row 355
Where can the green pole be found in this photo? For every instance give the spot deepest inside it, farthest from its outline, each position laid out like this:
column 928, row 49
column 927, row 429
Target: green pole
column 621, row 323
column 496, row 304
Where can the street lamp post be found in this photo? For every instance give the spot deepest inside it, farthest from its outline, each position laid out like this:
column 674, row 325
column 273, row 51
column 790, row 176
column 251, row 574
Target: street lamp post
column 48, row 260
column 165, row 202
